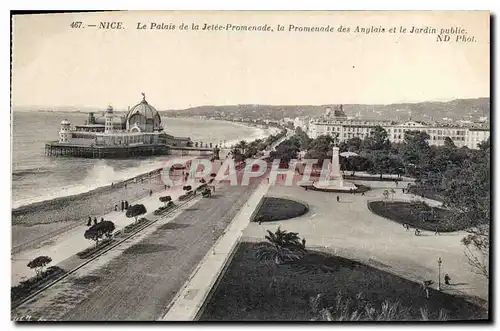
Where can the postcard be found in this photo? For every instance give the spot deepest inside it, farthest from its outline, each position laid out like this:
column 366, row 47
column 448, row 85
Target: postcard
column 251, row 166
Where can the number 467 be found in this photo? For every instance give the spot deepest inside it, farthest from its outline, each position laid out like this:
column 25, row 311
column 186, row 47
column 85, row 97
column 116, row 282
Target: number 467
column 76, row 25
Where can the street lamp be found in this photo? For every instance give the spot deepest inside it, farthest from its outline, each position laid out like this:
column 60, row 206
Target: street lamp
column 439, row 273
column 214, row 240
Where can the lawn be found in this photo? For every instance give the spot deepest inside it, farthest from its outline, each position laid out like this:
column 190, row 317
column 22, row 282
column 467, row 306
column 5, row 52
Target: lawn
column 277, row 209
column 416, row 214
column 246, row 292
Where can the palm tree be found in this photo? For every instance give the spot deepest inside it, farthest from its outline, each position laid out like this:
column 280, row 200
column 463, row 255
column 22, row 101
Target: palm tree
column 242, row 146
column 281, row 247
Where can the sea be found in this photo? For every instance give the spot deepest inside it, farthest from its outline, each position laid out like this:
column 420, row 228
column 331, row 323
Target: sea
column 36, row 177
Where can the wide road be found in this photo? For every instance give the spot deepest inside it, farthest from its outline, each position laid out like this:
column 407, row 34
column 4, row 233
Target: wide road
column 140, row 283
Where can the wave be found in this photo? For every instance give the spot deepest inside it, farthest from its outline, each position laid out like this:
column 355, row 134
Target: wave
column 98, row 176
column 31, row 171
column 102, row 174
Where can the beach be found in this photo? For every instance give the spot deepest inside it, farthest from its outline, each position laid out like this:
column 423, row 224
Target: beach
column 59, row 211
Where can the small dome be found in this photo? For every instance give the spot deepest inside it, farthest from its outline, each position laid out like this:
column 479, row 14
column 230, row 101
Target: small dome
column 109, row 109
column 65, row 122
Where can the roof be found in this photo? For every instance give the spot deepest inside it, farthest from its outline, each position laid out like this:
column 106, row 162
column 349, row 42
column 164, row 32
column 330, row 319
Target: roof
column 143, row 108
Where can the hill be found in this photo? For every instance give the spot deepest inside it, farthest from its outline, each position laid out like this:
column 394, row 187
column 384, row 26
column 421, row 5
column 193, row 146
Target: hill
column 430, row 110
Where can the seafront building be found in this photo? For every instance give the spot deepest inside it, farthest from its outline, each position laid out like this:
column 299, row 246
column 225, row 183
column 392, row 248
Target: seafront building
column 336, row 122
column 139, row 132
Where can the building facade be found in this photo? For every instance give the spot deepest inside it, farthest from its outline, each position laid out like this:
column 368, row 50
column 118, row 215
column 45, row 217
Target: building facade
column 140, row 126
column 337, row 124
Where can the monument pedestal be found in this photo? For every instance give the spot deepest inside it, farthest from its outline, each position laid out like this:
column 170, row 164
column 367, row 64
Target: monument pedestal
column 334, row 180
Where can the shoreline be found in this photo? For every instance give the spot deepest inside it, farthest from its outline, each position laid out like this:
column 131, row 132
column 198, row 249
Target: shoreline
column 32, row 206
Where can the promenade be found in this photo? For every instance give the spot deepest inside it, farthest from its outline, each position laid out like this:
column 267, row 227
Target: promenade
column 64, row 245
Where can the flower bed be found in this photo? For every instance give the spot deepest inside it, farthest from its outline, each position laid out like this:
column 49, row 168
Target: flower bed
column 94, row 249
column 131, row 227
column 164, row 209
column 27, row 287
column 416, row 214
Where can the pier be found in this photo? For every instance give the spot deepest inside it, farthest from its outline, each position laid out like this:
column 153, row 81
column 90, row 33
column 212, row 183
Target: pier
column 56, row 149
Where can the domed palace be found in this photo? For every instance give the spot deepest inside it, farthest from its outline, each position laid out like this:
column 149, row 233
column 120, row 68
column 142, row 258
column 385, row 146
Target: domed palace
column 141, row 126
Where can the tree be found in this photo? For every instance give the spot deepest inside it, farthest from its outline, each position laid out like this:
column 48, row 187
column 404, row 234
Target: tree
column 39, row 263
column 302, row 138
column 165, row 199
column 135, row 211
column 351, row 145
column 415, row 149
column 189, row 144
column 381, row 163
column 281, row 247
column 286, row 150
column 320, row 149
column 196, row 144
column 468, row 196
column 378, row 140
column 101, row 229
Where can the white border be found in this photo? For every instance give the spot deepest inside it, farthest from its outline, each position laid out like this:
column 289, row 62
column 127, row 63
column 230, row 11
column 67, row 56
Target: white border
column 5, row 180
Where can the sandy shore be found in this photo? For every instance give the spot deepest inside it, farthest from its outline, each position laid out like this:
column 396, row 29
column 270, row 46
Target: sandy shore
column 48, row 218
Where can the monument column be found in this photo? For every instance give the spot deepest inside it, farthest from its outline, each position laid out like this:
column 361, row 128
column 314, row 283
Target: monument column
column 335, row 165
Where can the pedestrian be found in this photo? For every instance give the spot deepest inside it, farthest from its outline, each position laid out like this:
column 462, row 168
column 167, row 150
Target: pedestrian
column 338, row 198
column 89, row 222
column 417, row 232
column 396, row 183
column 303, row 243
column 363, row 193
column 447, row 279
column 437, row 232
column 102, row 219
column 123, row 205
column 126, row 204
column 150, row 192
column 165, row 187
column 260, row 221
column 95, row 220
column 403, row 190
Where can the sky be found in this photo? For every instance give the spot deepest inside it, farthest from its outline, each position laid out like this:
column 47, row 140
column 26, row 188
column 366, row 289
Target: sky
column 54, row 65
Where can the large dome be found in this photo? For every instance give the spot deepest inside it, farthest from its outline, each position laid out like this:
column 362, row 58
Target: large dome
column 145, row 116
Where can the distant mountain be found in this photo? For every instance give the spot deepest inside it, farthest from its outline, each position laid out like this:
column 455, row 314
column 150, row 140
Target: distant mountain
column 424, row 111
column 471, row 109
